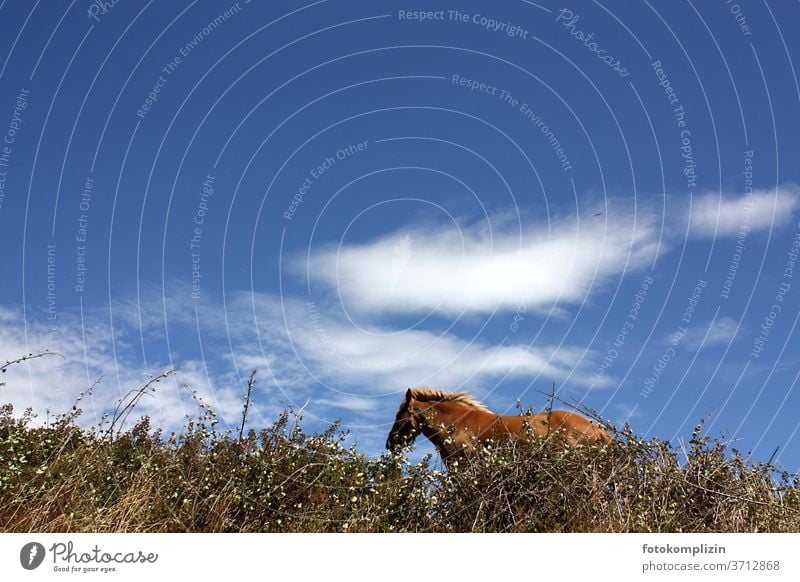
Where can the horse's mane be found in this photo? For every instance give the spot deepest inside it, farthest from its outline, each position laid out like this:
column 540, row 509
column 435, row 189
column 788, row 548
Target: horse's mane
column 426, row 394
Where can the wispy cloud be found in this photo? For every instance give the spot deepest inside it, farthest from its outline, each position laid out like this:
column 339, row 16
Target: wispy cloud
column 305, row 354
column 721, row 331
column 715, row 214
column 314, row 351
column 55, row 382
column 381, row 360
column 475, row 270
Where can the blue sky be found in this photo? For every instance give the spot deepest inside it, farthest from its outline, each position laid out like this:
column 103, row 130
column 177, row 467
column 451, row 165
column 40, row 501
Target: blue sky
column 355, row 198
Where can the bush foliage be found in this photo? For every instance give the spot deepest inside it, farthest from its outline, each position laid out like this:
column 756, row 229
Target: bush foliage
column 64, row 478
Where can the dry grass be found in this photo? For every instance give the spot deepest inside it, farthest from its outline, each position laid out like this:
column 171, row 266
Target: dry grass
column 62, row 478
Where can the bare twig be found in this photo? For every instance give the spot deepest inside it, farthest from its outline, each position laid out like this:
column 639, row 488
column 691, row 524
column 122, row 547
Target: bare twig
column 74, row 411
column 250, row 383
column 298, row 416
column 30, row 356
column 741, row 497
column 121, row 412
column 550, row 407
column 580, row 407
column 772, row 456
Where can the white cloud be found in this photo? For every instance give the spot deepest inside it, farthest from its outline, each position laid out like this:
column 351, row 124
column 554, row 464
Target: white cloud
column 449, row 271
column 303, row 353
column 314, row 352
column 55, row 382
column 349, row 402
column 713, row 214
column 434, row 268
column 719, row 332
column 384, row 361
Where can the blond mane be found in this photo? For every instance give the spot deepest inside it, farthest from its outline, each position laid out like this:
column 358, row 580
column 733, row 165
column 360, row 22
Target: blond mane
column 426, row 394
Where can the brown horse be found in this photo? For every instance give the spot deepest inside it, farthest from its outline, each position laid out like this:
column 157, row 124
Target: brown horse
column 453, row 421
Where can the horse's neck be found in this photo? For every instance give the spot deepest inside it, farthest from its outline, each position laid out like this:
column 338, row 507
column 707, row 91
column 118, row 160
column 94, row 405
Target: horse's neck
column 442, row 420
column 436, row 420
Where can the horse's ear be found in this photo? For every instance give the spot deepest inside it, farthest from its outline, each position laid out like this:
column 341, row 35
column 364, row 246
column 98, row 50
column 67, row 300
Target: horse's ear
column 408, row 395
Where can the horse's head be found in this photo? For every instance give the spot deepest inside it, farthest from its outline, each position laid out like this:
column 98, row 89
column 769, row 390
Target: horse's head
column 407, row 425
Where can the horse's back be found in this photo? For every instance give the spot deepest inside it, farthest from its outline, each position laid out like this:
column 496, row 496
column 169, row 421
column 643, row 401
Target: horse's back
column 575, row 427
column 578, row 426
